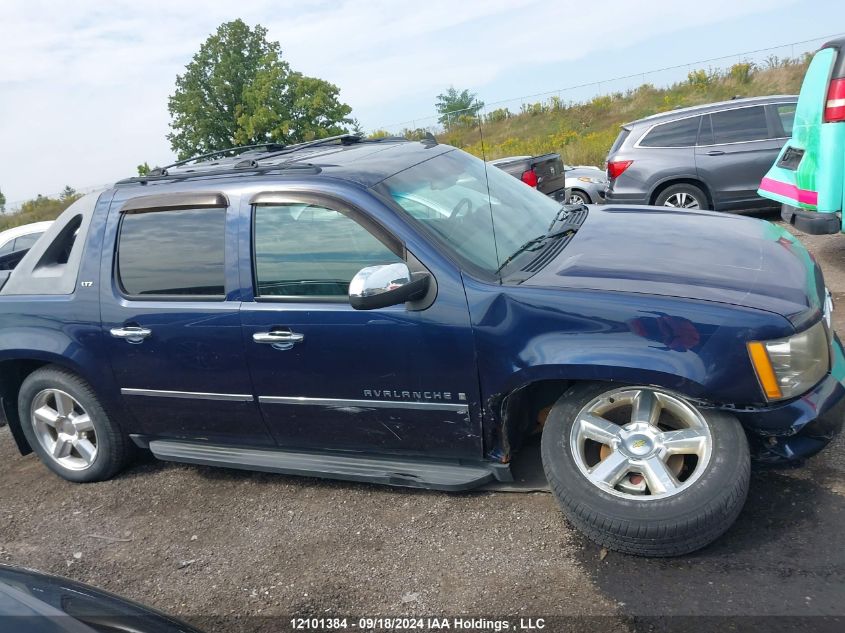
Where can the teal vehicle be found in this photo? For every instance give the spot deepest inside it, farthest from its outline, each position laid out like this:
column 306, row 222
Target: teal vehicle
column 808, row 176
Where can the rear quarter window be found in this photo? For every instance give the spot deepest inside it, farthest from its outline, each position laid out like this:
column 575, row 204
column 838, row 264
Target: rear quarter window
column 785, row 118
column 681, row 133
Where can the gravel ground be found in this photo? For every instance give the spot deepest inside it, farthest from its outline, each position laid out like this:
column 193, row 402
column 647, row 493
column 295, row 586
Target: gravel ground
column 235, row 551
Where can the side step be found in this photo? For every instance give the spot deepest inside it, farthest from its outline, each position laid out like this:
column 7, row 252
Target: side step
column 411, row 473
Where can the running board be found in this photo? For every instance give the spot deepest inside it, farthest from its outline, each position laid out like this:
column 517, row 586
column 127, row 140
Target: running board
column 411, row 473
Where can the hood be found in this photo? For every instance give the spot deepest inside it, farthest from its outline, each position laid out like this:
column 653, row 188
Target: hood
column 691, row 254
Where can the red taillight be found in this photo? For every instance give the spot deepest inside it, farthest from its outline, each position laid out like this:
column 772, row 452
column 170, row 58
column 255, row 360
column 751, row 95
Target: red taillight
column 834, row 107
column 616, row 167
column 530, row 178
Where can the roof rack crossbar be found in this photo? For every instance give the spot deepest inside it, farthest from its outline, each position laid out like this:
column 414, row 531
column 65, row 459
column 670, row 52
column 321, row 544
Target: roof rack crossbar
column 271, row 147
column 348, row 137
column 185, row 175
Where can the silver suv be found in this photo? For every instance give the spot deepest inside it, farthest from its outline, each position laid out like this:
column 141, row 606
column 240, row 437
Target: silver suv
column 705, row 157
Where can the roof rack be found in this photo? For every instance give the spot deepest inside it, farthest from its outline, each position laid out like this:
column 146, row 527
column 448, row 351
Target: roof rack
column 240, row 168
column 272, row 149
column 345, row 139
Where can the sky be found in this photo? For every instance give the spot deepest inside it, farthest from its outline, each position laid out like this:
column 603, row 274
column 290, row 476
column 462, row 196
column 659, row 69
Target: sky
column 84, row 84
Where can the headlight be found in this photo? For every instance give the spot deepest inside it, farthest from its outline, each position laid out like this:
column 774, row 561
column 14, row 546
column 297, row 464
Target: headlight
column 789, row 367
column 596, row 181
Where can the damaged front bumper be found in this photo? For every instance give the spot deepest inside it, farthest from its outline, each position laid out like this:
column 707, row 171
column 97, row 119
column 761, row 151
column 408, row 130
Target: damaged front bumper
column 794, row 430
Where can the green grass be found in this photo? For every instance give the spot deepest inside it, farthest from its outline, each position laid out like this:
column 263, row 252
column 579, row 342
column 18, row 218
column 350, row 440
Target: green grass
column 583, row 133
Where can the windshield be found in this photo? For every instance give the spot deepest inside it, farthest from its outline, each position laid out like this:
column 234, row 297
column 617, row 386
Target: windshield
column 478, row 211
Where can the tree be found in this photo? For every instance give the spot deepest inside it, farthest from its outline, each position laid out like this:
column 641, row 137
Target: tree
column 457, row 106
column 237, row 90
column 2, row 202
column 68, row 193
column 144, row 169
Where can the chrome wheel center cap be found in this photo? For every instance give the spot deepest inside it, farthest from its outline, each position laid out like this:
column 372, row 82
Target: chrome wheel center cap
column 639, row 445
column 66, row 427
column 639, row 440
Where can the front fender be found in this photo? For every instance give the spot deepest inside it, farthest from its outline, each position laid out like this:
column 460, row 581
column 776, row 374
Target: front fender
column 697, row 348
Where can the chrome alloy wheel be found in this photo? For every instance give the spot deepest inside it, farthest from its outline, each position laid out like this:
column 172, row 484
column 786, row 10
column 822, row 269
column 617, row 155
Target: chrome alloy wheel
column 681, row 200
column 576, row 198
column 64, row 429
column 641, row 443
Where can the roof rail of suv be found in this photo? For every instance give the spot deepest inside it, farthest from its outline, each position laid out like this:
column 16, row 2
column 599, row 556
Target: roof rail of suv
column 228, row 169
column 227, row 163
column 272, row 149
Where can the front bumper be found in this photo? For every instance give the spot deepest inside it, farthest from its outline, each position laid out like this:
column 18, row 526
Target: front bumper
column 800, row 428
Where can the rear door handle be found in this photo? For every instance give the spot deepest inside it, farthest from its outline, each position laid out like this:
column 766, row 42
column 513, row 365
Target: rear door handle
column 131, row 333
column 279, row 339
column 715, row 152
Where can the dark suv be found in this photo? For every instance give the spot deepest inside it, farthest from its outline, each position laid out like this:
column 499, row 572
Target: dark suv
column 705, row 157
column 398, row 312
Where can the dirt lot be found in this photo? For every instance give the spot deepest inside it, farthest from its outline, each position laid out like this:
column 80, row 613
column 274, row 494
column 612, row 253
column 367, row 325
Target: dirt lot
column 234, row 551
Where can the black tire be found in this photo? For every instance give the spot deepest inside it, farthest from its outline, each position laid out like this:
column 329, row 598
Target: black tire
column 670, row 526
column 683, row 188
column 582, row 194
column 114, row 449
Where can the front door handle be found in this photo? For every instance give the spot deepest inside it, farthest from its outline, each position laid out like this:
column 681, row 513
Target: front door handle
column 715, row 152
column 279, row 339
column 131, row 333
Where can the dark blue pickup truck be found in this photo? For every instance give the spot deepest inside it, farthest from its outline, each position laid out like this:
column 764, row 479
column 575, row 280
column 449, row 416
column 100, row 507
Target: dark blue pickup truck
column 397, row 312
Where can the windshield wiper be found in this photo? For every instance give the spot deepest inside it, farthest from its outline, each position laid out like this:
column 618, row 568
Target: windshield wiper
column 562, row 230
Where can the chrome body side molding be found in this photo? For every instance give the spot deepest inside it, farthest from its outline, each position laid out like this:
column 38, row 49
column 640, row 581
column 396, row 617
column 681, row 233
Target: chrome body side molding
column 195, row 395
column 369, row 404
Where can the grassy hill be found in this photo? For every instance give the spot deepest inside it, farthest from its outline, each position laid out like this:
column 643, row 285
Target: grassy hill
column 583, row 133
column 37, row 210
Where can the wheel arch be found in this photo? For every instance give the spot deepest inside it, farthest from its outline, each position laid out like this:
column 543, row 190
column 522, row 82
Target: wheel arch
column 582, row 192
column 521, row 409
column 15, row 367
column 661, row 186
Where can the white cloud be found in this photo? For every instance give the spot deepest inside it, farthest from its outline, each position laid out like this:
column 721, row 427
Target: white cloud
column 84, row 85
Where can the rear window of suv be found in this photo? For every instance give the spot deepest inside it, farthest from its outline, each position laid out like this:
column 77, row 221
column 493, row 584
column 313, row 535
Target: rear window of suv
column 681, row 133
column 623, row 134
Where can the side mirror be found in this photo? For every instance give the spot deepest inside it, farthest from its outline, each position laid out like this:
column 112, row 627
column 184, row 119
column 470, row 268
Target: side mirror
column 386, row 285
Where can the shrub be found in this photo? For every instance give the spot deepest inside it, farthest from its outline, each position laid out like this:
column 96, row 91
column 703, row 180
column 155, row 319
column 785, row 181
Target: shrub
column 741, row 72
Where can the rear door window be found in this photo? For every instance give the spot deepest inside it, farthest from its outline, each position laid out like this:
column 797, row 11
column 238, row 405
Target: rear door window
column 173, row 253
column 739, row 125
column 682, row 133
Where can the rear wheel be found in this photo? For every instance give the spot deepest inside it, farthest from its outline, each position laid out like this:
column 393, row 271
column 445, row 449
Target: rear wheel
column 682, row 196
column 67, row 427
column 642, row 470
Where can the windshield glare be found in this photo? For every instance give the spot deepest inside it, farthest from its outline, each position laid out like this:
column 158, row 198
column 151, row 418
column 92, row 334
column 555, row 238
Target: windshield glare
column 477, row 210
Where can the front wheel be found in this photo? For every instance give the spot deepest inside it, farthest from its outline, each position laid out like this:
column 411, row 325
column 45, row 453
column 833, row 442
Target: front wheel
column 642, row 470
